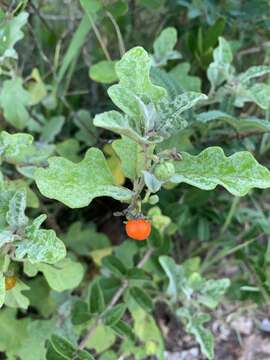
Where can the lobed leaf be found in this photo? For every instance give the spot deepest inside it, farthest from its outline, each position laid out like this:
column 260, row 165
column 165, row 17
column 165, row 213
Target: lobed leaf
column 76, row 185
column 238, row 173
column 134, row 82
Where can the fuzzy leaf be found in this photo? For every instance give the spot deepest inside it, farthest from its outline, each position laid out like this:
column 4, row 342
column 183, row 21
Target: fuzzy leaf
column 12, row 145
column 15, row 215
column 76, row 185
column 11, row 33
column 238, row 173
column 195, row 326
column 252, row 72
column 134, row 81
column 220, row 69
column 170, row 111
column 40, row 245
column 15, row 298
column 116, row 122
column 163, row 47
column 13, row 92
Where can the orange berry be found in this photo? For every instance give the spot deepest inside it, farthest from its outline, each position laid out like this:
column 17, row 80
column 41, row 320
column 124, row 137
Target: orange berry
column 138, row 229
column 10, row 282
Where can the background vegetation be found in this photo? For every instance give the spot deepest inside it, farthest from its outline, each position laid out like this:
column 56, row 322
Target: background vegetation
column 72, row 285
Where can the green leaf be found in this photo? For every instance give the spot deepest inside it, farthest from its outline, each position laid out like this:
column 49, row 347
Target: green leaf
column 161, row 78
column 187, row 82
column 83, row 239
column 212, row 291
column 163, row 47
column 52, row 128
column 123, row 330
column 134, row 83
column 96, row 298
column 67, row 274
column 136, row 274
column 33, row 347
column 114, row 315
column 91, row 7
column 9, row 324
column 116, row 122
column 5, row 237
column 40, row 245
column 141, row 298
column 252, row 72
column 176, row 275
column 15, row 215
column 131, row 156
column 88, row 133
column 239, row 124
column 220, row 69
column 147, row 331
column 238, row 173
column 103, row 72
column 60, row 348
column 39, row 289
column 102, row 339
column 151, row 182
column 170, row 111
column 13, row 144
column 19, row 149
column 2, row 289
column 259, row 93
column 11, row 33
column 36, row 87
column 15, row 298
column 13, row 92
column 201, row 334
column 76, row 185
column 80, row 313
column 115, row 266
column 69, row 149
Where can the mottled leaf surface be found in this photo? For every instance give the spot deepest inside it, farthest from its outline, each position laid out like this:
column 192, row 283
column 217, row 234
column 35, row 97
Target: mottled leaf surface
column 76, row 185
column 238, row 173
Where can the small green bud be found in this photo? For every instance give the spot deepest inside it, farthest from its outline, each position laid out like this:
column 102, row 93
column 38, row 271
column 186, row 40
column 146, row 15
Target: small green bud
column 153, row 200
column 164, row 171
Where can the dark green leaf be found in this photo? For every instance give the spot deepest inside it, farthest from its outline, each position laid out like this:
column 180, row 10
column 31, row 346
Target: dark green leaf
column 115, row 266
column 122, row 329
column 114, row 315
column 80, row 313
column 96, row 298
column 141, row 298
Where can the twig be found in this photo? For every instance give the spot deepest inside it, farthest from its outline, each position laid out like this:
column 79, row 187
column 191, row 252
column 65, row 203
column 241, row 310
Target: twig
column 98, row 35
column 254, row 49
column 113, row 301
column 121, row 44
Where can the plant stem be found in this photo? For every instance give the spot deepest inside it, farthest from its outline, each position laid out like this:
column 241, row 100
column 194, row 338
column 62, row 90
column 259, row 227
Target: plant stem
column 230, row 215
column 113, row 301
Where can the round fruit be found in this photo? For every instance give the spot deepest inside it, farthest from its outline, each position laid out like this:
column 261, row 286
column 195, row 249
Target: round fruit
column 138, row 229
column 10, row 282
column 164, row 171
